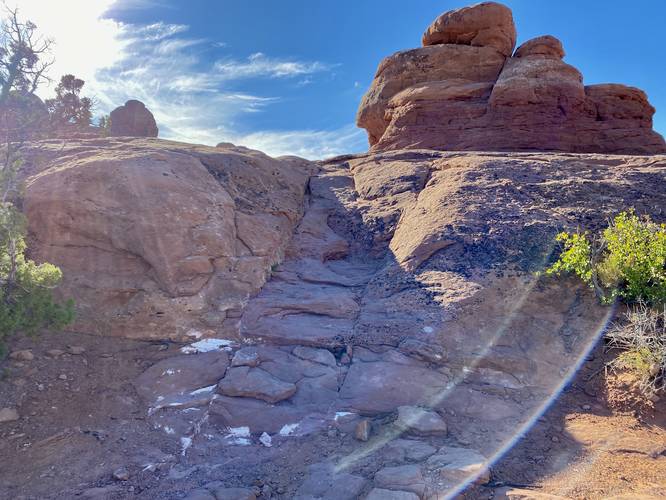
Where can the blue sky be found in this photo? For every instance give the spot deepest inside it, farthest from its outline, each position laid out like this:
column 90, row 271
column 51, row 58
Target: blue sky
column 287, row 76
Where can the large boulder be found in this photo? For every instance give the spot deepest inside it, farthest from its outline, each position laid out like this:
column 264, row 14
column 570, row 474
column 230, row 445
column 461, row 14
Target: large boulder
column 158, row 239
column 467, row 92
column 487, row 24
column 133, row 119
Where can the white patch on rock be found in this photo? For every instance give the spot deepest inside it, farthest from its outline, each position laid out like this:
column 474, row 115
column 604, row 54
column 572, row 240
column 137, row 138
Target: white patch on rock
column 207, row 345
column 428, row 329
column 288, row 429
column 169, row 430
column 266, row 440
column 170, row 371
column 185, row 443
column 238, row 441
column 340, row 414
column 239, row 431
column 203, row 390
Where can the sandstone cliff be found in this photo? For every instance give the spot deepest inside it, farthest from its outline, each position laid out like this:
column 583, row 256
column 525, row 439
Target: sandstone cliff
column 467, row 89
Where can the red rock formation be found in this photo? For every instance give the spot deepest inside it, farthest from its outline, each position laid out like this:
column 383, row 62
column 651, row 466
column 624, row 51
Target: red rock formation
column 133, row 119
column 461, row 92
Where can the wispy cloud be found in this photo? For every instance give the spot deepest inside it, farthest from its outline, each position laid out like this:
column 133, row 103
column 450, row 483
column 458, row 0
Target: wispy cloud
column 193, row 96
column 260, row 65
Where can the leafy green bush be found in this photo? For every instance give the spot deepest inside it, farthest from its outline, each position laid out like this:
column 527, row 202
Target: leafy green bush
column 26, row 289
column 627, row 261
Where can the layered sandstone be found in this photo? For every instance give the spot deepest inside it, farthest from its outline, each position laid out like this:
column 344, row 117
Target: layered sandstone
column 160, row 239
column 464, row 90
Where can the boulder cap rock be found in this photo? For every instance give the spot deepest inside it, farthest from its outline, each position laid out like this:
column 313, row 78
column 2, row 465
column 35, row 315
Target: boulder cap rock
column 487, row 24
column 545, row 46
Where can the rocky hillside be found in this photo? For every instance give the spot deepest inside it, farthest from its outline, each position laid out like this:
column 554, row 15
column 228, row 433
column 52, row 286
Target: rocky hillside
column 371, row 326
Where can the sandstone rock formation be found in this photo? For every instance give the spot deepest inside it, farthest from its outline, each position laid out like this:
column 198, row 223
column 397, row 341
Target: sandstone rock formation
column 397, row 287
column 160, row 239
column 133, row 119
column 464, row 90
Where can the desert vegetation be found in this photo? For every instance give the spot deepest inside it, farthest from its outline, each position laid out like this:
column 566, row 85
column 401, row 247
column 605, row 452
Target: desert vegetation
column 27, row 304
column 627, row 262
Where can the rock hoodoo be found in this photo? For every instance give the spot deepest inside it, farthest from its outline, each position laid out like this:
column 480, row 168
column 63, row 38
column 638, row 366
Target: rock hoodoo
column 133, row 119
column 464, row 90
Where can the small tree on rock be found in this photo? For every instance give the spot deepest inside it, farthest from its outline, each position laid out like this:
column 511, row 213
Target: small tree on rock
column 68, row 107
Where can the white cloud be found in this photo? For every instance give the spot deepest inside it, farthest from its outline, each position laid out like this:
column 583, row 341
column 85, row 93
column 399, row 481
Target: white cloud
column 260, row 65
column 161, row 65
column 313, row 144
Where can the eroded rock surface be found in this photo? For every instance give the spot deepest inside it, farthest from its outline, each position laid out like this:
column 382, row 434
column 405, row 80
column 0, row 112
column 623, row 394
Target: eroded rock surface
column 466, row 89
column 160, row 239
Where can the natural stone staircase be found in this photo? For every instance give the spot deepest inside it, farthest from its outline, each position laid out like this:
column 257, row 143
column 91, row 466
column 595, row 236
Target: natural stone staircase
column 329, row 347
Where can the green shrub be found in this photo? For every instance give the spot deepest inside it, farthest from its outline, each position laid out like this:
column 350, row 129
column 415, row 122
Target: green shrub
column 627, row 260
column 27, row 304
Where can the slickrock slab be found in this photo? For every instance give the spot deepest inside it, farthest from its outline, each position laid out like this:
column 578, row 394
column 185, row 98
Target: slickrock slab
column 322, row 482
column 381, row 494
column 255, row 383
column 179, row 379
column 393, row 380
column 457, row 464
column 400, row 450
column 420, row 421
column 402, row 477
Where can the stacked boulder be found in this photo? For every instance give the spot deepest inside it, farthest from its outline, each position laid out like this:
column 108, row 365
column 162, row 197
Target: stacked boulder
column 466, row 89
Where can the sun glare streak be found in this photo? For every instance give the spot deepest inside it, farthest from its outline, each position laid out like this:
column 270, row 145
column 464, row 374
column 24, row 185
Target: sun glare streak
column 375, row 445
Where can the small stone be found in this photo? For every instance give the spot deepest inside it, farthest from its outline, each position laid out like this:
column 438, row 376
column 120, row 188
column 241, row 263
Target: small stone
column 247, row 356
column 266, row 440
column 362, row 431
column 555, row 439
column 24, row 355
column 8, row 415
column 40, row 387
column 78, row 350
column 121, row 474
column 586, row 407
column 62, row 376
column 54, row 353
column 266, row 491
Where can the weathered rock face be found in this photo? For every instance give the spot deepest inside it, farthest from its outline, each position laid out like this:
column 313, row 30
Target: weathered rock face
column 465, row 91
column 160, row 239
column 133, row 119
